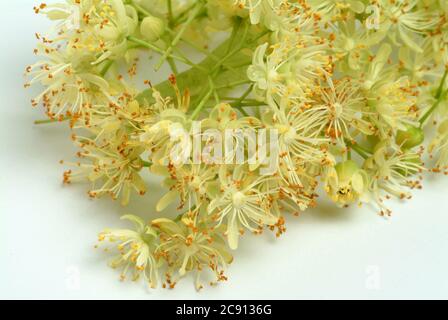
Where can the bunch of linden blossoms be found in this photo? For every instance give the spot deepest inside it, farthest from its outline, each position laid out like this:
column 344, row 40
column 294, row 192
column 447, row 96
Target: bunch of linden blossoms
column 342, row 96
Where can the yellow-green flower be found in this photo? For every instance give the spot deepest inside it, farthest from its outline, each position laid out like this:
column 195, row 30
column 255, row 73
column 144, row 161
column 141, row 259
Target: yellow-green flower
column 136, row 250
column 189, row 245
column 346, row 183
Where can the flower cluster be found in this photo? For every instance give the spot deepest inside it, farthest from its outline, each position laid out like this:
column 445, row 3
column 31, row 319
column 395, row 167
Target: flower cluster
column 342, row 95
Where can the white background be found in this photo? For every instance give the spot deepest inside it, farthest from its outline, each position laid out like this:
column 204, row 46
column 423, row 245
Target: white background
column 47, row 231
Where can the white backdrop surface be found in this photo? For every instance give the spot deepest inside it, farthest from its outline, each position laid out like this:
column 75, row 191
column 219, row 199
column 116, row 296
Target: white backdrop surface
column 47, row 231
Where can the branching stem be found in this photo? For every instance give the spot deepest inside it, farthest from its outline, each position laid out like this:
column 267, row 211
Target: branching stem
column 440, row 95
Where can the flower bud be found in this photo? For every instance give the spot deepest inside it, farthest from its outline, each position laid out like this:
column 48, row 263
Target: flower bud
column 152, row 28
column 410, row 138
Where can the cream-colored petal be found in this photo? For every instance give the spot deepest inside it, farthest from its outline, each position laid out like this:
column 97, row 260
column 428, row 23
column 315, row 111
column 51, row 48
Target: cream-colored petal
column 166, row 200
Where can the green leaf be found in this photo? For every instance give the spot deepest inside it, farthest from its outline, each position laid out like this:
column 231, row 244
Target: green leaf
column 196, row 80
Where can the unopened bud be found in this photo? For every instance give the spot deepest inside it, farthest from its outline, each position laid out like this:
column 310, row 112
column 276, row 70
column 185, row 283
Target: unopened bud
column 152, row 28
column 410, row 138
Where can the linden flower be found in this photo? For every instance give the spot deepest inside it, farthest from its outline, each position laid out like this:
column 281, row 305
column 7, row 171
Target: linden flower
column 293, row 20
column 66, row 13
column 287, row 197
column 264, row 11
column 418, row 64
column 264, row 73
column 136, row 250
column 439, row 146
column 168, row 142
column 223, row 117
column 189, row 183
column 442, row 47
column 168, row 129
column 289, row 70
column 307, row 64
column 114, row 170
column 376, row 74
column 100, row 27
column 346, row 183
column 350, row 44
column 292, row 199
column 395, row 104
column 391, row 170
column 440, row 42
column 299, row 128
column 287, row 18
column 334, row 9
column 392, row 101
column 189, row 246
column 223, row 120
column 402, row 21
column 112, row 21
column 116, row 119
column 346, row 111
column 241, row 204
column 68, row 90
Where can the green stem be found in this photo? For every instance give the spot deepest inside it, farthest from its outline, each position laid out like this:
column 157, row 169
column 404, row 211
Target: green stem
column 135, row 46
column 177, row 20
column 140, row 9
column 246, row 101
column 216, row 96
column 234, row 84
column 188, row 61
column 181, row 32
column 359, row 150
column 218, row 67
column 244, row 64
column 106, row 68
column 261, row 35
column 170, row 60
column 236, row 28
column 148, row 45
column 161, row 51
column 210, row 55
column 199, row 48
column 440, row 95
column 172, row 64
column 146, row 164
column 235, row 51
column 204, row 100
column 239, row 102
column 214, row 66
column 170, row 13
column 243, row 112
column 245, row 94
column 179, row 217
column 248, row 104
column 48, row 121
column 255, row 105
